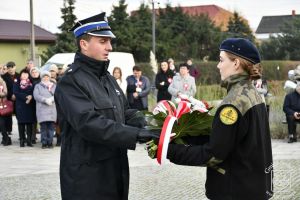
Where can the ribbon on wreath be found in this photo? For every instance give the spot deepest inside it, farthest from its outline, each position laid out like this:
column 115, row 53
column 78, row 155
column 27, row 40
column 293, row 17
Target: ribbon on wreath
column 173, row 115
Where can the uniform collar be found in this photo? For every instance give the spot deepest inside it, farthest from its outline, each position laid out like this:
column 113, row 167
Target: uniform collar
column 234, row 79
column 93, row 65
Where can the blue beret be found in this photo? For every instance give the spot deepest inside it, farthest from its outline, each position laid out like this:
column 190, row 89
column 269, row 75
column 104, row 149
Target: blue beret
column 96, row 25
column 241, row 47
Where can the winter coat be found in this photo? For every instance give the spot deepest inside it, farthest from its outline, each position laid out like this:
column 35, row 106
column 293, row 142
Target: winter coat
column 291, row 103
column 25, row 113
column 166, row 78
column 92, row 110
column 9, row 80
column 131, row 88
column 238, row 155
column 185, row 85
column 44, row 112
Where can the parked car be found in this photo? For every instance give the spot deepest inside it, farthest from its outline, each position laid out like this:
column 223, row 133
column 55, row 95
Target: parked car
column 117, row 59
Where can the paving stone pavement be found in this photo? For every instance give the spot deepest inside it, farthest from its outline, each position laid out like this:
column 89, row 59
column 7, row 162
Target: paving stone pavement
column 32, row 174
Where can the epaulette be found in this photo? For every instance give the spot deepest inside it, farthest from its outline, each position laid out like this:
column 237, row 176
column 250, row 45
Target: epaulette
column 73, row 68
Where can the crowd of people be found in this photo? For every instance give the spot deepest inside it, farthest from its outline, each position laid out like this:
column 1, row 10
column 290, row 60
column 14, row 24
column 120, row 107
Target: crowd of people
column 31, row 92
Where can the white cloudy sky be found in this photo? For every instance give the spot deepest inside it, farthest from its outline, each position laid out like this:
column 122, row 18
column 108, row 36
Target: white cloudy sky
column 47, row 12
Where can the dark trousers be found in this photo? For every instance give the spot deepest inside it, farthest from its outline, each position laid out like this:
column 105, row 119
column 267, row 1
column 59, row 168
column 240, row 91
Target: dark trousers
column 5, row 138
column 47, row 132
column 137, row 104
column 8, row 123
column 292, row 125
column 25, row 127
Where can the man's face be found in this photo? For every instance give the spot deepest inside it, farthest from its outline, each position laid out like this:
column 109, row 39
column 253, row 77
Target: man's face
column 137, row 74
column 11, row 70
column 30, row 65
column 53, row 74
column 97, row 47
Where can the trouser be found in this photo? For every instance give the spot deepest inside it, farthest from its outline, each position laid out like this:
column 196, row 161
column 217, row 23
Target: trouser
column 22, row 128
column 8, row 123
column 6, row 140
column 292, row 125
column 47, row 132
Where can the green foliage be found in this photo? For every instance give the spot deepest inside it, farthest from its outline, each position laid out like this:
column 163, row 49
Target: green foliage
column 147, row 71
column 175, row 33
column 141, row 33
column 65, row 42
column 121, row 26
column 272, row 49
column 271, row 72
column 239, row 28
column 286, row 45
column 290, row 38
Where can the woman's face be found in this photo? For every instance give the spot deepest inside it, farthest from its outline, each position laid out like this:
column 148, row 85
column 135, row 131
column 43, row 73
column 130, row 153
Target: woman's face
column 35, row 74
column 117, row 74
column 226, row 66
column 46, row 78
column 164, row 66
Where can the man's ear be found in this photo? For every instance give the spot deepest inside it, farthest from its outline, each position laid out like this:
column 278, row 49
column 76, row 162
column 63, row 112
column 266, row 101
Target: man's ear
column 83, row 44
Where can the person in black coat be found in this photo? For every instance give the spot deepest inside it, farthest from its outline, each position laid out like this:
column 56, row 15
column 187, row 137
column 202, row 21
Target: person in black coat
column 25, row 107
column 97, row 125
column 291, row 108
column 238, row 155
column 10, row 77
column 162, row 81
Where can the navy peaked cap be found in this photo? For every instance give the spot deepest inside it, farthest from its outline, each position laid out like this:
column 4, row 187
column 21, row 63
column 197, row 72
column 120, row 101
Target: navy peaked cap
column 241, row 47
column 96, row 25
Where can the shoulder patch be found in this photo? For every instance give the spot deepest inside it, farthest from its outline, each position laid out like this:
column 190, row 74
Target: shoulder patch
column 228, row 115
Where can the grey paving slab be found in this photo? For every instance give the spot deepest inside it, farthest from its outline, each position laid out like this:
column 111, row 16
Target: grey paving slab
column 32, row 173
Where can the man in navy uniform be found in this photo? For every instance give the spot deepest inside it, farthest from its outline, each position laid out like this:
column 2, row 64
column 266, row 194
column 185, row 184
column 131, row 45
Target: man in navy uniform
column 97, row 126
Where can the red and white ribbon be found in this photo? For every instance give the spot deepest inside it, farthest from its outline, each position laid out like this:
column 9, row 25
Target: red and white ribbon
column 182, row 108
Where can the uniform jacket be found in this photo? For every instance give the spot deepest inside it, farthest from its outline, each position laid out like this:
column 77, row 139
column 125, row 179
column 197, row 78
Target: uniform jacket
column 167, row 78
column 238, row 155
column 291, row 103
column 25, row 113
column 92, row 111
column 131, row 88
column 185, row 85
column 44, row 112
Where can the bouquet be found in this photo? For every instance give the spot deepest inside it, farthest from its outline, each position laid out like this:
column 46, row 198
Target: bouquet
column 186, row 117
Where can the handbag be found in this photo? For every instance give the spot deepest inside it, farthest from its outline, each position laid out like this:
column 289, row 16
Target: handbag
column 6, row 107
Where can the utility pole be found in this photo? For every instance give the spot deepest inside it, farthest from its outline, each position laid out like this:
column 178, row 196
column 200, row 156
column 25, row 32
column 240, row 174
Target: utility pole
column 32, row 38
column 153, row 28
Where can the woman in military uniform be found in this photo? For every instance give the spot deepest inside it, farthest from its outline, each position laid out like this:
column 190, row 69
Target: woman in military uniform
column 238, row 155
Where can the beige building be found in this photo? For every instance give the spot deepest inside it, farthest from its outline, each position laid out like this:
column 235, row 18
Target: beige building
column 15, row 42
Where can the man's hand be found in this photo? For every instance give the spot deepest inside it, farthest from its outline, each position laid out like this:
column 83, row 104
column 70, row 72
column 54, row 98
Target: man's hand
column 146, row 135
column 297, row 115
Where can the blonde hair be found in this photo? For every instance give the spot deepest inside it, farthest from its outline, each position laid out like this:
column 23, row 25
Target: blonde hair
column 254, row 70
